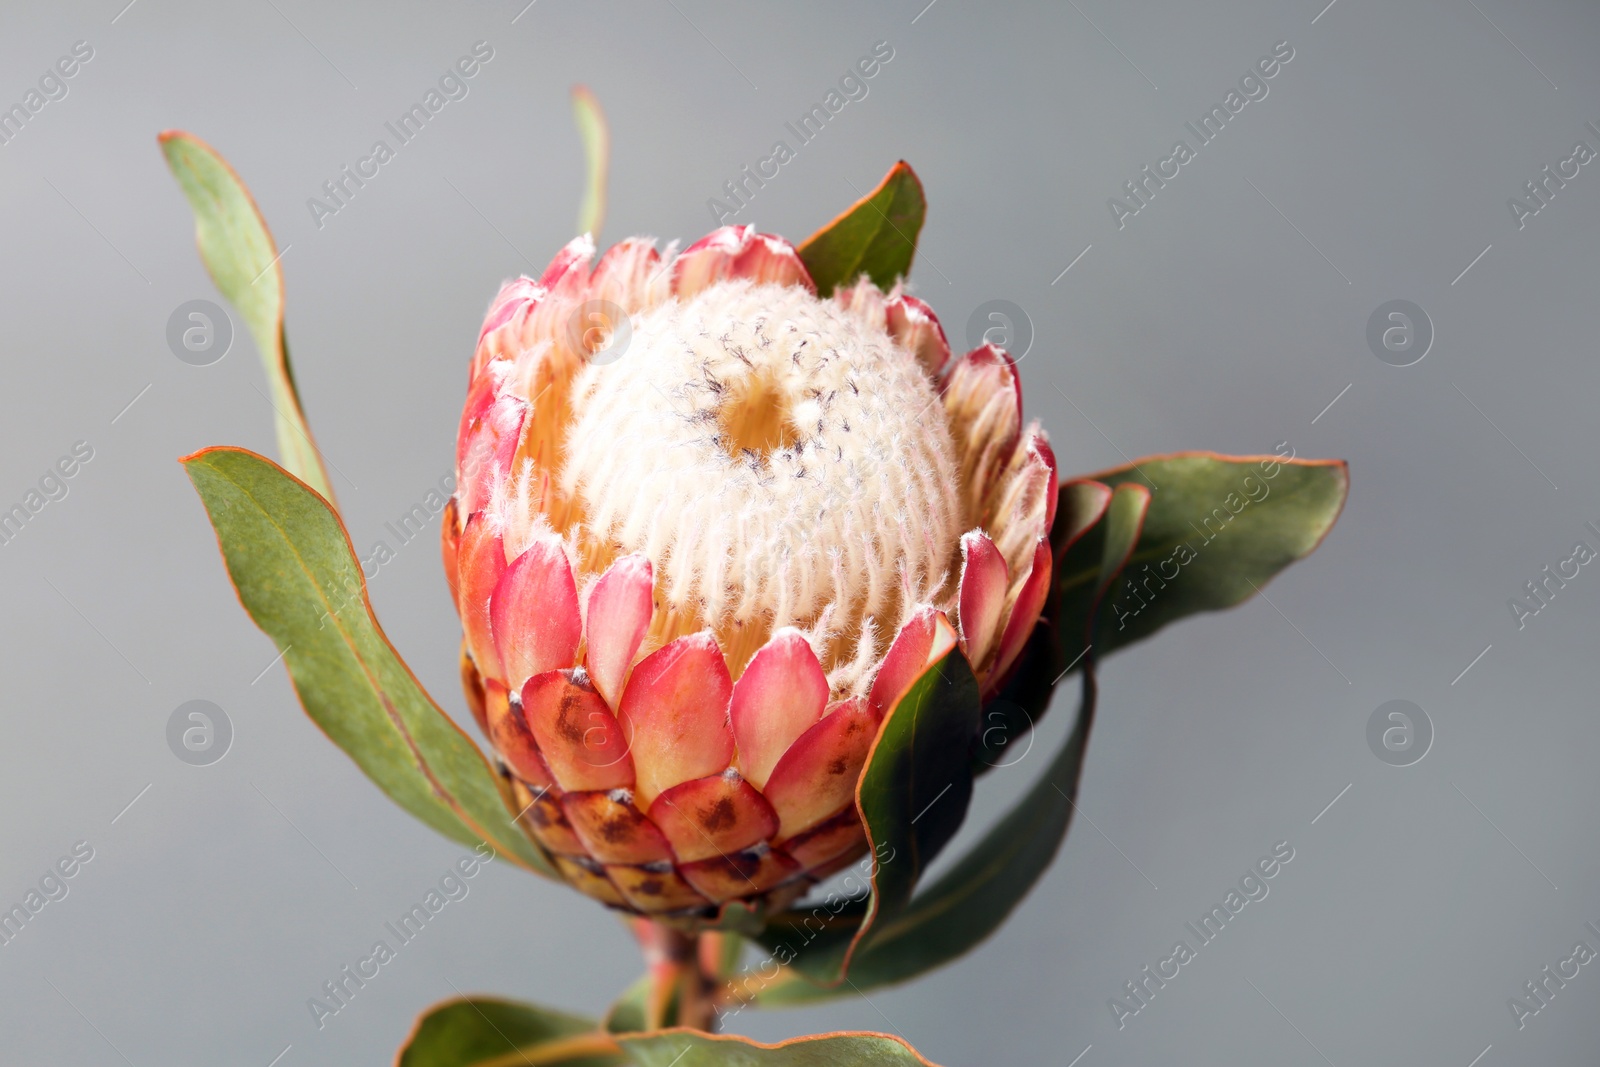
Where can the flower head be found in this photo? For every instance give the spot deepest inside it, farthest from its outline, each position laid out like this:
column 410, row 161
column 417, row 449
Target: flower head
column 709, row 527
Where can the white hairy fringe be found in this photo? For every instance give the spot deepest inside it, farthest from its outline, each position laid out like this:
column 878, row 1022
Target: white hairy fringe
column 843, row 533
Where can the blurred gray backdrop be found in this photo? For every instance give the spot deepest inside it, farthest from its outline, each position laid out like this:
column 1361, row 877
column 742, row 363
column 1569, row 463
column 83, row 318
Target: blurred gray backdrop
column 1228, row 312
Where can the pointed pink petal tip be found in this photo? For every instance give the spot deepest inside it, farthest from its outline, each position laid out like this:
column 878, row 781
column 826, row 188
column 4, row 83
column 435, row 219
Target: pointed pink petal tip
column 917, row 328
column 924, row 640
column 533, row 613
column 738, row 252
column 619, row 611
column 782, row 692
column 674, row 714
column 984, row 583
column 1024, row 614
column 817, row 777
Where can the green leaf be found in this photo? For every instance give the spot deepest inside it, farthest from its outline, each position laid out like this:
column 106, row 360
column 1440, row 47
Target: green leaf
column 1105, row 528
column 296, row 574
column 691, row 1048
column 596, row 136
column 630, row 1013
column 913, row 796
column 877, row 236
column 917, row 783
column 970, row 901
column 489, row 1032
column 1295, row 509
column 1218, row 529
column 242, row 257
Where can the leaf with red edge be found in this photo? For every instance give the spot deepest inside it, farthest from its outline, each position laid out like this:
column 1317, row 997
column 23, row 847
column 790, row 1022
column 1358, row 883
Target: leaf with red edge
column 693, row 1048
column 297, row 575
column 1219, row 528
column 483, row 1031
column 877, row 236
column 243, row 259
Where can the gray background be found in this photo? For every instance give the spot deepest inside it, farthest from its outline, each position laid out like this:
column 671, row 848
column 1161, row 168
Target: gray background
column 222, row 899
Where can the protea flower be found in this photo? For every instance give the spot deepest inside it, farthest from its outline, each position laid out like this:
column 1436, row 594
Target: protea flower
column 695, row 574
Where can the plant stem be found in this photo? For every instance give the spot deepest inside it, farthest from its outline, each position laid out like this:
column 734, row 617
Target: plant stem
column 682, row 985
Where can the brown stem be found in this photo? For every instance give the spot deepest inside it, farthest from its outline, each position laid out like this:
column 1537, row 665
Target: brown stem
column 679, row 977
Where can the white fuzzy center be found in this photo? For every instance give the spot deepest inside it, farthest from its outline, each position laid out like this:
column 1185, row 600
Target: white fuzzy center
column 780, row 463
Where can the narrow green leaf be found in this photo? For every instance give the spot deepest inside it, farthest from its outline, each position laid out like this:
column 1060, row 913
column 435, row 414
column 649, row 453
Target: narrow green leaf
column 913, row 796
column 596, row 136
column 490, row 1032
column 241, row 255
column 917, row 782
column 877, row 236
column 971, row 900
column 1218, row 529
column 692, row 1048
column 296, row 574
